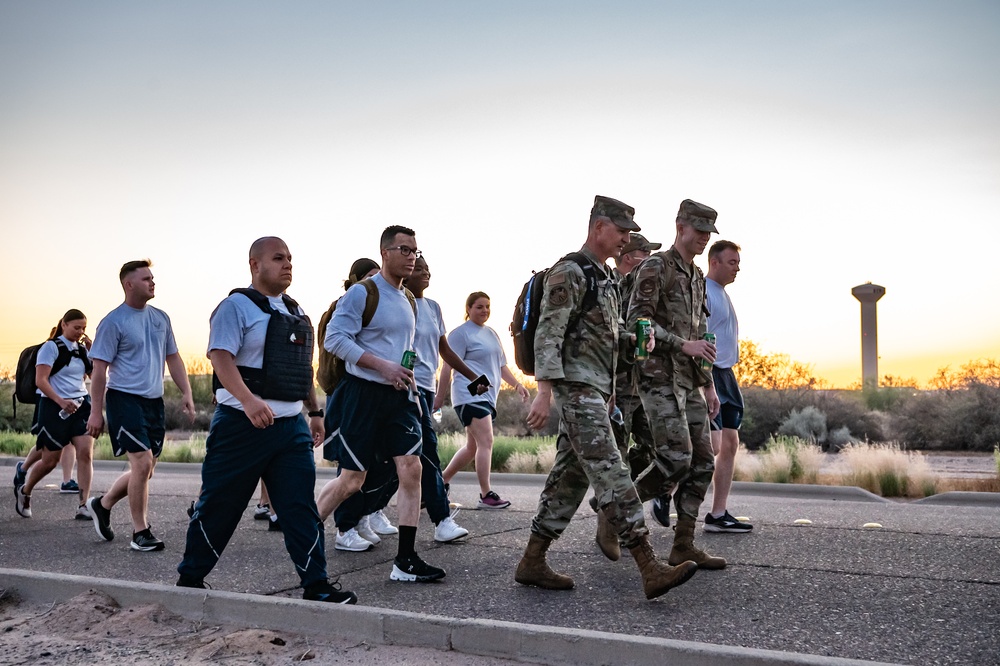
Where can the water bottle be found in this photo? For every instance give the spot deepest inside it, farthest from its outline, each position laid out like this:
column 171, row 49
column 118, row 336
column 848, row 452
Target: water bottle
column 63, row 414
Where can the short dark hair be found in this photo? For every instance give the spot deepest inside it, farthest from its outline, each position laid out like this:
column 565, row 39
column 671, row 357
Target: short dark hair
column 130, row 266
column 389, row 235
column 720, row 246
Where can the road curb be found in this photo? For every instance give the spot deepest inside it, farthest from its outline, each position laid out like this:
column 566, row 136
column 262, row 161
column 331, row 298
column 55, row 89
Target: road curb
column 510, row 640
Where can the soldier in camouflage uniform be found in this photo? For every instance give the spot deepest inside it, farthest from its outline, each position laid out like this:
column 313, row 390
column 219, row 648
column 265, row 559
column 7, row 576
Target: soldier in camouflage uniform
column 582, row 381
column 670, row 291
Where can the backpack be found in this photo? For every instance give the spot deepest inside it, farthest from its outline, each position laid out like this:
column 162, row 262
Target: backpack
column 331, row 367
column 24, row 378
column 529, row 305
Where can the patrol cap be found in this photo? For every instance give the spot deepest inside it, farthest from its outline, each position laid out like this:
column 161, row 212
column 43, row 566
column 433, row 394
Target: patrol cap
column 699, row 216
column 619, row 213
column 639, row 242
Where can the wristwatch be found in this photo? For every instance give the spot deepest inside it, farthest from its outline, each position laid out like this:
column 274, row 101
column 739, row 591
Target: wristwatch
column 317, row 412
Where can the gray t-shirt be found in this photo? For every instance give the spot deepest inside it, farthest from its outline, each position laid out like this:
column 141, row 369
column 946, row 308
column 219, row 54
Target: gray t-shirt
column 387, row 336
column 722, row 321
column 480, row 348
column 240, row 328
column 136, row 344
column 70, row 381
column 427, row 341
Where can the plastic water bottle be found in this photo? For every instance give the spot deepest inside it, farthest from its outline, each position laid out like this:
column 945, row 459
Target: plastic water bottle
column 63, row 414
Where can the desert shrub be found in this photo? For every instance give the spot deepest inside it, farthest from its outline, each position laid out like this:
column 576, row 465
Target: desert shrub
column 950, row 419
column 808, row 423
column 173, row 411
column 784, row 460
column 765, row 411
column 846, row 409
column 839, row 438
column 511, row 413
column 449, row 423
column 8, row 421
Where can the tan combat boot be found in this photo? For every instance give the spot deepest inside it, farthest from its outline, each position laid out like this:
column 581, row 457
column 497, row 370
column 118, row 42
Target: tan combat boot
column 658, row 577
column 684, row 548
column 534, row 570
column 607, row 538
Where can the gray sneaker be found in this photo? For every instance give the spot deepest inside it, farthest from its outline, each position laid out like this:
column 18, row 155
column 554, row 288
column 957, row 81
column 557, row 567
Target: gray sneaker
column 22, row 502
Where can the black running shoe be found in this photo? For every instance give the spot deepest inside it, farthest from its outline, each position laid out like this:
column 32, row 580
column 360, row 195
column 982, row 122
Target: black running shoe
column 412, row 569
column 191, row 581
column 726, row 523
column 329, row 592
column 102, row 518
column 661, row 510
column 273, row 525
column 145, row 542
column 262, row 512
column 190, row 510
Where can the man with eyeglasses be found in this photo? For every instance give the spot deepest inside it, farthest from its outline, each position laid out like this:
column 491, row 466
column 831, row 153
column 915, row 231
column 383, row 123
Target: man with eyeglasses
column 576, row 350
column 374, row 411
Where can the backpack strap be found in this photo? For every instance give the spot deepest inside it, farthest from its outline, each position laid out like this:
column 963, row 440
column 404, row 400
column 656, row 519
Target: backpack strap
column 371, row 301
column 66, row 355
column 260, row 300
column 590, row 275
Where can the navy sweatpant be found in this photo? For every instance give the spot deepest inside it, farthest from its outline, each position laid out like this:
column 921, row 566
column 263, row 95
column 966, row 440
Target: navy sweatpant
column 237, row 456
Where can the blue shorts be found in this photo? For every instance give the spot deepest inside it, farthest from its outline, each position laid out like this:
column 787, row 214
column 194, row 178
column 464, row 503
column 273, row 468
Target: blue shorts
column 370, row 423
column 475, row 410
column 135, row 424
column 53, row 432
column 730, row 415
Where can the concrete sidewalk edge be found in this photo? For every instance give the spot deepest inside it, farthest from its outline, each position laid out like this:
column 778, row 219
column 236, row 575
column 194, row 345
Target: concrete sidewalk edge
column 510, row 640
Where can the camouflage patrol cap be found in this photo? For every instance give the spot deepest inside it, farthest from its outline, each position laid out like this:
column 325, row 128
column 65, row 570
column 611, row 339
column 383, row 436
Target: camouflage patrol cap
column 618, row 212
column 698, row 215
column 639, row 242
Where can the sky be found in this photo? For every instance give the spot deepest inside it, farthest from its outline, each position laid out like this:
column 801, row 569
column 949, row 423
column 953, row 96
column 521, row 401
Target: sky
column 841, row 143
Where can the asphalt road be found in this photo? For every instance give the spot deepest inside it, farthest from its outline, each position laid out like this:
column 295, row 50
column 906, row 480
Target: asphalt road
column 922, row 589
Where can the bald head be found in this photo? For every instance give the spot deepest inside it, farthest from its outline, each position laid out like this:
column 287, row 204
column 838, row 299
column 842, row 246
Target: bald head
column 270, row 265
column 264, row 245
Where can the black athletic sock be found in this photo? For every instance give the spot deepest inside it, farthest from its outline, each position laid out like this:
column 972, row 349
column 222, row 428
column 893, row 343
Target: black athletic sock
column 407, row 539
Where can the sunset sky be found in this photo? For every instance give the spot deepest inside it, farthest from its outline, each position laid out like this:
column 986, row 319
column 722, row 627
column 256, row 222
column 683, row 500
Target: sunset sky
column 840, row 142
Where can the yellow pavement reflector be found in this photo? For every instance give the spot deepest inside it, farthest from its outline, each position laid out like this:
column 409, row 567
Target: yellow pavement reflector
column 674, row 516
column 743, row 519
column 872, row 525
column 454, row 505
column 803, row 521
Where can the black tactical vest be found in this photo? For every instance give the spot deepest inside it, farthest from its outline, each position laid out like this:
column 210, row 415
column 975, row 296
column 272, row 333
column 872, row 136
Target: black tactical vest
column 287, row 372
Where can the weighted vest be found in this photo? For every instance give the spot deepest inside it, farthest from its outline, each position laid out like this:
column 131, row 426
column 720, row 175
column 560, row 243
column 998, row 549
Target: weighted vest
column 286, row 373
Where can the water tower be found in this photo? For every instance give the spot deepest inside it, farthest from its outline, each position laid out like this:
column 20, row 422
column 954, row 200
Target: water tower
column 869, row 294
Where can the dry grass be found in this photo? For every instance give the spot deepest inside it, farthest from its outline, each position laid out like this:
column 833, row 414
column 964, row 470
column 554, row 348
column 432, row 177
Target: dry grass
column 888, row 470
column 785, row 460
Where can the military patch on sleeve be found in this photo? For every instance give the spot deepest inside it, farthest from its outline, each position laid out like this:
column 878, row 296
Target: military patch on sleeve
column 647, row 286
column 558, row 296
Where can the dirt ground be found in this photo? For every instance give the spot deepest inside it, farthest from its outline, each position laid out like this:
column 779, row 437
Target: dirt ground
column 92, row 628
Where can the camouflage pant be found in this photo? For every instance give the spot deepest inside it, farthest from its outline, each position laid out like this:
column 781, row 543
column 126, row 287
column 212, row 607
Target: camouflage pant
column 634, row 426
column 681, row 454
column 586, row 455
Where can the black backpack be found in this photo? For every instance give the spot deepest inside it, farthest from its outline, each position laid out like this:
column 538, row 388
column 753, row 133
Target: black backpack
column 24, row 378
column 529, row 305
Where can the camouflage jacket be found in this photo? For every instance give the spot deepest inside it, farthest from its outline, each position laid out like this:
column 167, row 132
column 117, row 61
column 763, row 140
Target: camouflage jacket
column 671, row 293
column 587, row 352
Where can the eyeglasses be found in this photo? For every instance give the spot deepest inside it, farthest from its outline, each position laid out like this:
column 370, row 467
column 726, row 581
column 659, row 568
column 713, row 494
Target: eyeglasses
column 406, row 251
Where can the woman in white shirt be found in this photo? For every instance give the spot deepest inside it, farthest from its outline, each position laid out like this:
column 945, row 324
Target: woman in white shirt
column 479, row 347
column 61, row 372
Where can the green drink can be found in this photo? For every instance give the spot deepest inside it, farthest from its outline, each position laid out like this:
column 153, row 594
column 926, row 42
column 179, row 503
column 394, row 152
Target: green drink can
column 642, row 328
column 409, row 359
column 710, row 337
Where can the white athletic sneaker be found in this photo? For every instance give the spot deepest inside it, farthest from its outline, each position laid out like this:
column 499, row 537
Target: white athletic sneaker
column 365, row 531
column 448, row 530
column 352, row 541
column 380, row 524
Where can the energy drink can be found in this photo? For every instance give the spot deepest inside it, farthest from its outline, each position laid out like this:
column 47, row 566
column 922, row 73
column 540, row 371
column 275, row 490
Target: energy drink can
column 642, row 328
column 409, row 359
column 705, row 364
